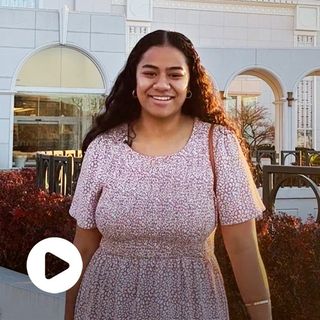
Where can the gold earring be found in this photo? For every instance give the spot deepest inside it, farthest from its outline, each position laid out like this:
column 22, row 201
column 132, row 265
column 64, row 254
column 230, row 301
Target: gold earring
column 134, row 94
column 189, row 94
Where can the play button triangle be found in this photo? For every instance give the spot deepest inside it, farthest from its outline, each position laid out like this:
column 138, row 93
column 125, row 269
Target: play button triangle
column 53, row 260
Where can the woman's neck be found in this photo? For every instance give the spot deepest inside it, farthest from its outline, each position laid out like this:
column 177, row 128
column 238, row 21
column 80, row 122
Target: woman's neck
column 154, row 129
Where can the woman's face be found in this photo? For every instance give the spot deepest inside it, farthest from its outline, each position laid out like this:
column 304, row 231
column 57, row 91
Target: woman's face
column 162, row 81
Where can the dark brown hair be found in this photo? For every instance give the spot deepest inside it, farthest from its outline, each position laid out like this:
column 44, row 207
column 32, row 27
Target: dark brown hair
column 121, row 106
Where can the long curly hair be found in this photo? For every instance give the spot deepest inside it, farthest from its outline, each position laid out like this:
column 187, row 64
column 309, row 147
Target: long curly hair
column 122, row 107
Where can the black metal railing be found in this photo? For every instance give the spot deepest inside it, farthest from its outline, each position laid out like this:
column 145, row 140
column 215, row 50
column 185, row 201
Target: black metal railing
column 266, row 154
column 275, row 176
column 298, row 157
column 285, row 155
column 58, row 174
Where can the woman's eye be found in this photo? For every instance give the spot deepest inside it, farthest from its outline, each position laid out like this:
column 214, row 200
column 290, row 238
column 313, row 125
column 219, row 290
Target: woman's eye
column 149, row 74
column 176, row 75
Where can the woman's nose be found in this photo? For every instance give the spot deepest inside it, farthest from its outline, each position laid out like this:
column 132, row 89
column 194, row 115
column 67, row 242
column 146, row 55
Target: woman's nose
column 162, row 83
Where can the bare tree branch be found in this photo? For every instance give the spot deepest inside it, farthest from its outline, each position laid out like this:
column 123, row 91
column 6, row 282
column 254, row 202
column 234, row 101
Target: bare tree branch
column 255, row 124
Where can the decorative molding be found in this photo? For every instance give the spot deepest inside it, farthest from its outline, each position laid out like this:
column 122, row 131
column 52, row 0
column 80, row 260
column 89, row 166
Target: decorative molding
column 210, row 2
column 59, row 90
column 305, row 39
column 63, row 22
column 119, row 2
column 277, row 2
column 19, row 4
column 231, row 6
column 134, row 32
column 307, row 18
column 139, row 10
column 7, row 92
column 274, row 7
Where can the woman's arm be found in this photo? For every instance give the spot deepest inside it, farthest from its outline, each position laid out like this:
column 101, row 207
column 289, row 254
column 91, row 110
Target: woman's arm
column 87, row 241
column 242, row 247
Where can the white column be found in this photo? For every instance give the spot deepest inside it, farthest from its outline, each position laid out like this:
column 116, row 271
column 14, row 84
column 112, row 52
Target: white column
column 294, row 125
column 288, row 134
column 284, row 121
column 6, row 128
column 314, row 113
column 278, row 123
column 287, row 121
column 279, row 126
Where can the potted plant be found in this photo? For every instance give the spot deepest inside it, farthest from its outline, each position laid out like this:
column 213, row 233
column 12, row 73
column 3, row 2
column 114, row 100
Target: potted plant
column 20, row 160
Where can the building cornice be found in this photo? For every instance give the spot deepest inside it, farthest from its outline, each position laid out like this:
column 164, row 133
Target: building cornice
column 274, row 7
column 190, row 4
column 228, row 6
column 209, row 3
column 7, row 92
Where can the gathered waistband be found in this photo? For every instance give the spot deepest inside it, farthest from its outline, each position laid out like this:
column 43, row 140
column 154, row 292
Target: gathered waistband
column 150, row 249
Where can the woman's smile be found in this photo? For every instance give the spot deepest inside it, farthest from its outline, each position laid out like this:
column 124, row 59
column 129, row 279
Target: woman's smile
column 161, row 101
column 162, row 81
column 162, row 98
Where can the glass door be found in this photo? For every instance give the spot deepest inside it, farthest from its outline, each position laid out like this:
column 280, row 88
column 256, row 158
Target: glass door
column 54, row 122
column 34, row 135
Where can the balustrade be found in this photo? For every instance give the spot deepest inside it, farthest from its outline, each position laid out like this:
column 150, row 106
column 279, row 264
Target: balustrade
column 58, row 171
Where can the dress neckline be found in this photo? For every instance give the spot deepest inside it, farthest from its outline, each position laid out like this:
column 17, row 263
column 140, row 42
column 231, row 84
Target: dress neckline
column 179, row 152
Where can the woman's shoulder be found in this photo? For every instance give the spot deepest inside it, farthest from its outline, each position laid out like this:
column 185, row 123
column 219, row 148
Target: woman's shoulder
column 224, row 139
column 109, row 138
column 218, row 129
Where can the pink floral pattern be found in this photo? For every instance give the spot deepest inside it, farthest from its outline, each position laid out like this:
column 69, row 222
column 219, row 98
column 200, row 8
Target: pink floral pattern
column 157, row 217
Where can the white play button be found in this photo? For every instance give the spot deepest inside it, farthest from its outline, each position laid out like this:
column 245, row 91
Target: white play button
column 62, row 249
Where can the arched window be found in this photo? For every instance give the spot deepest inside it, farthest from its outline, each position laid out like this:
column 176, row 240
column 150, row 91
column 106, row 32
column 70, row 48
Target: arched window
column 59, row 90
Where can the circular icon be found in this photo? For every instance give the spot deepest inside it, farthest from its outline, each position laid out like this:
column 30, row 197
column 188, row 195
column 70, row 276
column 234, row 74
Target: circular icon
column 61, row 249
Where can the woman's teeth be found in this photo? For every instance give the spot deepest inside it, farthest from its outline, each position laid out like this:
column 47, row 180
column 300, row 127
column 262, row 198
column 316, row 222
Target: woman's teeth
column 161, row 98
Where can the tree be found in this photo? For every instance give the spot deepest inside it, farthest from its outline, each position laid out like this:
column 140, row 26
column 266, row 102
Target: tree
column 255, row 124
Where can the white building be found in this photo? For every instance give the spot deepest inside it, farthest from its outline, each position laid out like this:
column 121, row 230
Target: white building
column 57, row 59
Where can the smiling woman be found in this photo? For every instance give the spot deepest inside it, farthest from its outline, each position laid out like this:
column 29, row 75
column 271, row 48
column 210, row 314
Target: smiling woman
column 162, row 85
column 145, row 204
column 162, row 82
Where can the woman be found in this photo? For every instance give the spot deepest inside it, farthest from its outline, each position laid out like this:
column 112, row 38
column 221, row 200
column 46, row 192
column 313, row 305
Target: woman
column 144, row 203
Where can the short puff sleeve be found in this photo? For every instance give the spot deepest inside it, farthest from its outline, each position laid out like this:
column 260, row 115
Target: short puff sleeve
column 237, row 197
column 88, row 189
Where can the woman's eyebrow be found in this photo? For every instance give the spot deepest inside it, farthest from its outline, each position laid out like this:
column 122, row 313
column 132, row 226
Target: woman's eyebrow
column 150, row 66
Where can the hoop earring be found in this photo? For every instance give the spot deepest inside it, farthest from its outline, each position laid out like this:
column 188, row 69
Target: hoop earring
column 189, row 94
column 134, row 94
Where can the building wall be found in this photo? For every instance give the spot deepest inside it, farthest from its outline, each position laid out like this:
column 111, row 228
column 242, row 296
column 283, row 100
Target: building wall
column 24, row 32
column 230, row 36
column 234, row 27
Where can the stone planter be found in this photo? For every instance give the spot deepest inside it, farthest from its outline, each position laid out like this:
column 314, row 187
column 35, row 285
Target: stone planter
column 21, row 299
column 20, row 161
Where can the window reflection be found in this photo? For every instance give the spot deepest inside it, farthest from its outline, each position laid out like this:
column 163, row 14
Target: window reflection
column 53, row 122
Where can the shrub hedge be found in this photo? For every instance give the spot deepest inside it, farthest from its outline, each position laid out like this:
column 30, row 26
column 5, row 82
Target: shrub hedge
column 290, row 248
column 28, row 215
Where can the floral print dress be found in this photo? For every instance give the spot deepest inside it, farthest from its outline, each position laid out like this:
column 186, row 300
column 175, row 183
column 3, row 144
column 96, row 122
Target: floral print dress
column 157, row 216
